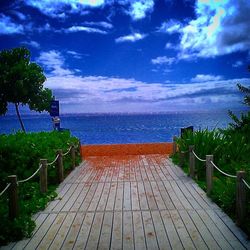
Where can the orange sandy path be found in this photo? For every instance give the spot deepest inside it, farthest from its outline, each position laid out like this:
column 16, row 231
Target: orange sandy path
column 126, row 149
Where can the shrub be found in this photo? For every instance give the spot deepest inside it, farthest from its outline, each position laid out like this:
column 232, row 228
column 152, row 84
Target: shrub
column 19, row 155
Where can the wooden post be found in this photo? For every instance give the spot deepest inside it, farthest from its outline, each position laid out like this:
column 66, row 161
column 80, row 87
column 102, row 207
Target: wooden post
column 209, row 173
column 191, row 161
column 80, row 149
column 13, row 197
column 73, row 156
column 174, row 145
column 182, row 157
column 240, row 198
column 60, row 166
column 43, row 176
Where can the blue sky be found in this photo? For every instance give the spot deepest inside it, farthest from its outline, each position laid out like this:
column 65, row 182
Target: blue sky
column 135, row 55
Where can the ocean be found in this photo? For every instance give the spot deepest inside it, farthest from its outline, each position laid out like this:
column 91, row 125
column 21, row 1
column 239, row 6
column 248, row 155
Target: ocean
column 120, row 128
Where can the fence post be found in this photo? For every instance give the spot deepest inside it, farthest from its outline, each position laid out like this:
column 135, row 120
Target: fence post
column 80, row 149
column 13, row 197
column 43, row 176
column 174, row 145
column 73, row 156
column 209, row 173
column 59, row 166
column 240, row 198
column 191, row 161
column 182, row 156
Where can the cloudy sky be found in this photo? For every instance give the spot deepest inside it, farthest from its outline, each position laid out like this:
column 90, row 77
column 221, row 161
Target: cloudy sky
column 135, row 55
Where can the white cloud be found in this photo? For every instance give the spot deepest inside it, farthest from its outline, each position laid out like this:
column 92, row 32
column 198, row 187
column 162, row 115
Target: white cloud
column 58, row 8
column 8, row 27
column 170, row 46
column 220, row 27
column 140, row 8
column 102, row 24
column 53, row 61
column 163, row 60
column 85, row 29
column 172, row 26
column 237, row 64
column 33, row 44
column 75, row 54
column 206, row 78
column 130, row 38
column 137, row 9
column 19, row 14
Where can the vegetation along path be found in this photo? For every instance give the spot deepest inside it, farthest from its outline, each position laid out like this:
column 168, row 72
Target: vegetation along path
column 132, row 202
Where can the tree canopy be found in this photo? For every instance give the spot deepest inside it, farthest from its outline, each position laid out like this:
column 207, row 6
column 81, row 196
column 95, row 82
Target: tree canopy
column 21, row 82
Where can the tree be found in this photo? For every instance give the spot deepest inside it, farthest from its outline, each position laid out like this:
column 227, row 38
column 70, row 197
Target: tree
column 21, row 82
column 242, row 123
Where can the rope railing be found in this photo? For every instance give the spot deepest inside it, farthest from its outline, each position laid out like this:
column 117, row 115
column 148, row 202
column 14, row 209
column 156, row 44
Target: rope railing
column 197, row 157
column 67, row 151
column 224, row 173
column 5, row 189
column 247, row 185
column 29, row 178
column 51, row 163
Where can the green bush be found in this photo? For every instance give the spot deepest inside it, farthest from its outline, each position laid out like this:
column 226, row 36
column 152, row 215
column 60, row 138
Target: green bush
column 20, row 154
column 231, row 150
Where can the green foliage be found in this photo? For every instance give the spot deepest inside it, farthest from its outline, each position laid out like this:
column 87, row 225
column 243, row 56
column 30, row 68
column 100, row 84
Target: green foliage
column 231, row 150
column 21, row 82
column 20, row 154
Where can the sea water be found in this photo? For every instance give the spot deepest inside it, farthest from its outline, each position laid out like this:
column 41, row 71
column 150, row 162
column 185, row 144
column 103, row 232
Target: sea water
column 120, row 128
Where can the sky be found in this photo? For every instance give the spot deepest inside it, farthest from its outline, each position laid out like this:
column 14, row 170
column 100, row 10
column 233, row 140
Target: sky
column 135, row 55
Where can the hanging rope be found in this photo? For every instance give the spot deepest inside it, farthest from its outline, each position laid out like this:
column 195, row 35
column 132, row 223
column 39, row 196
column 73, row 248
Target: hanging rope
column 228, row 175
column 5, row 189
column 247, row 185
column 22, row 181
column 197, row 157
column 51, row 163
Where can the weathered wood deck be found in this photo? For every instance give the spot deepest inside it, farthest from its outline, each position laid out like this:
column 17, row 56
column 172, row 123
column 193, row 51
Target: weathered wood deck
column 132, row 202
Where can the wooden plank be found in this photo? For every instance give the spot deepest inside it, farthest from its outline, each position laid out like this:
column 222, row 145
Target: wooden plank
column 139, row 236
column 142, row 196
column 165, row 196
column 128, row 233
column 78, row 202
column 161, row 234
column 88, row 198
column 39, row 221
column 73, row 231
column 116, row 241
column 73, row 197
column 104, row 197
column 38, row 236
column 134, row 196
column 173, row 237
column 181, row 230
column 233, row 241
column 119, row 197
column 192, row 230
column 188, row 195
column 95, row 231
column 157, row 195
column 62, row 233
column 172, row 194
column 180, row 195
column 206, row 235
column 217, row 235
column 82, row 237
column 127, row 196
column 65, row 198
column 96, row 197
column 112, row 196
column 150, row 196
column 60, row 196
column 105, row 236
column 150, row 235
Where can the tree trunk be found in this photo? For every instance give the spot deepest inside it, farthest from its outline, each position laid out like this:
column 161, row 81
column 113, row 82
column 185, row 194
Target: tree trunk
column 19, row 118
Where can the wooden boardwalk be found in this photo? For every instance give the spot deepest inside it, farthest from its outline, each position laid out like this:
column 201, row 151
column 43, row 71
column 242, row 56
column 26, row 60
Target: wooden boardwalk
column 132, row 202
